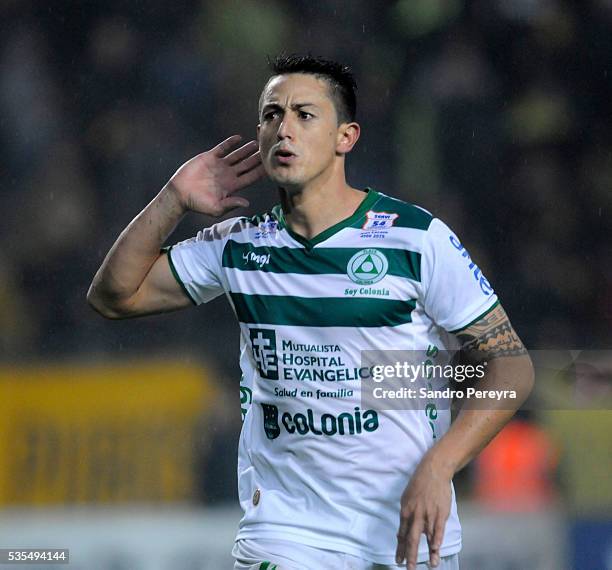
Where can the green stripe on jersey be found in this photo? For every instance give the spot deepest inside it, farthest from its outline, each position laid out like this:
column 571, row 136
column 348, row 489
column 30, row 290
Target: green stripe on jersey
column 322, row 311
column 315, row 261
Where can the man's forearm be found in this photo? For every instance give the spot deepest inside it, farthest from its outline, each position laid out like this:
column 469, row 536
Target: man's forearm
column 136, row 249
column 479, row 421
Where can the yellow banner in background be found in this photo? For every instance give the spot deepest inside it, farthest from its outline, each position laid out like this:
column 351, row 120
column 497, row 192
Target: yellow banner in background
column 77, row 433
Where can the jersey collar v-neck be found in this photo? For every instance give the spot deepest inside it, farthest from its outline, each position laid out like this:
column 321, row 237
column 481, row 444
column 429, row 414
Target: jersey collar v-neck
column 366, row 203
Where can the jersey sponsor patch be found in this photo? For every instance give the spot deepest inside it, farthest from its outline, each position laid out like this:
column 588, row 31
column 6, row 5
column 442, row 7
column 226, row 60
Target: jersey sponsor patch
column 265, row 229
column 354, row 422
column 485, row 286
column 379, row 220
column 263, row 345
column 256, row 259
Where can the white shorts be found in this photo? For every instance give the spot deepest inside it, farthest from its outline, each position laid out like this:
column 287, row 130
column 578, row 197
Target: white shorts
column 259, row 554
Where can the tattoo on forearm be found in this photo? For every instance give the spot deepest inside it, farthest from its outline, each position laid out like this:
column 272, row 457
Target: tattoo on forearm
column 491, row 337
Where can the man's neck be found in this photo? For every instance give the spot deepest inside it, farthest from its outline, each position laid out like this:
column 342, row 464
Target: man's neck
column 311, row 210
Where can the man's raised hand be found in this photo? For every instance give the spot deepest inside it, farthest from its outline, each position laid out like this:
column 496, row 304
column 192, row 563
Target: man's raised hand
column 207, row 183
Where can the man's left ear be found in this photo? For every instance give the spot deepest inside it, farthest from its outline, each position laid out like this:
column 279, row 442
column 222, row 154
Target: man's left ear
column 348, row 135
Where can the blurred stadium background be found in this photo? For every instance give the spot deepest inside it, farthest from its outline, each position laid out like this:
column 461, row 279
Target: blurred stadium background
column 118, row 439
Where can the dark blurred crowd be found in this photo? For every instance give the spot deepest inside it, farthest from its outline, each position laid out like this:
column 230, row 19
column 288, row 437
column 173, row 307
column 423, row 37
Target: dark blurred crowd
column 495, row 115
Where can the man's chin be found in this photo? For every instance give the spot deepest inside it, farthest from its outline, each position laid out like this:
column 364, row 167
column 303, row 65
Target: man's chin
column 285, row 180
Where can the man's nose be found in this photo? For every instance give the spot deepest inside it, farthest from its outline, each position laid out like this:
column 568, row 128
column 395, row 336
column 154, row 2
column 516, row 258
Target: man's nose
column 285, row 129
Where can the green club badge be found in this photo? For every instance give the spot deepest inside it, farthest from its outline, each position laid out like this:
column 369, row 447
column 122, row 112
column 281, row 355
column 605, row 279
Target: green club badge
column 367, row 266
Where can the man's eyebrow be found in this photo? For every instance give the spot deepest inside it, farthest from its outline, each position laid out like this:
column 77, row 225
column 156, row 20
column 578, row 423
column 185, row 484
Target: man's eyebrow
column 298, row 106
column 271, row 106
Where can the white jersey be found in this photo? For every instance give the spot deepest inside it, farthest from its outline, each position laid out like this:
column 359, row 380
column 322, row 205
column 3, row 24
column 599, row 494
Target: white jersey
column 314, row 466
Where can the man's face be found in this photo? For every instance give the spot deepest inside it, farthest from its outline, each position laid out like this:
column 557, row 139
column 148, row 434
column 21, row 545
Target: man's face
column 298, row 129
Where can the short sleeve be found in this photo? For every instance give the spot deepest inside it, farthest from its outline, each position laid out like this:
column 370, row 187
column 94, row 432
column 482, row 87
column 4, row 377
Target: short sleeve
column 196, row 265
column 455, row 292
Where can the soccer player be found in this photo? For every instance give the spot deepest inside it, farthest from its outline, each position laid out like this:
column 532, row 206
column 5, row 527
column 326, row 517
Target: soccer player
column 324, row 481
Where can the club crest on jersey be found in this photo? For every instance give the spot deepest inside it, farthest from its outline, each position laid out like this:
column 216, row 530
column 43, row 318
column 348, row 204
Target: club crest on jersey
column 367, row 266
column 379, row 220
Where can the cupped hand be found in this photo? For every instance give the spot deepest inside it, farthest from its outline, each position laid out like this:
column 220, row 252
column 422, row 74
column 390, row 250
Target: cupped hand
column 208, row 182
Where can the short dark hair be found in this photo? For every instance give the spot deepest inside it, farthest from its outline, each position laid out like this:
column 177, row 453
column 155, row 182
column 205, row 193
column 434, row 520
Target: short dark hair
column 339, row 77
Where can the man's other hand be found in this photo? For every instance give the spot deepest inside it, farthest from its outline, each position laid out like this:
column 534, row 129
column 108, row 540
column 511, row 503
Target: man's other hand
column 425, row 507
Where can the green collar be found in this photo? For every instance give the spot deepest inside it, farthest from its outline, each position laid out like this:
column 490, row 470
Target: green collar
column 366, row 204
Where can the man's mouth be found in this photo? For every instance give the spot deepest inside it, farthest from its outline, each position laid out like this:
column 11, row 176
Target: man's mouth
column 284, row 156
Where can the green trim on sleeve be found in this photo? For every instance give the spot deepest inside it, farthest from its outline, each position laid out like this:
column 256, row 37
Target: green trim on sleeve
column 167, row 251
column 477, row 318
